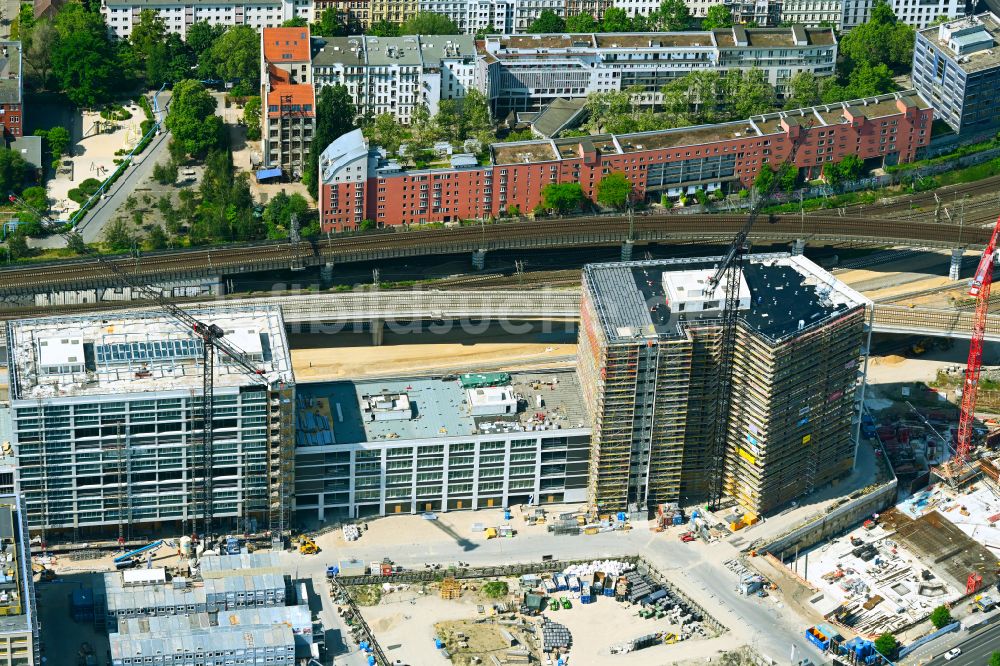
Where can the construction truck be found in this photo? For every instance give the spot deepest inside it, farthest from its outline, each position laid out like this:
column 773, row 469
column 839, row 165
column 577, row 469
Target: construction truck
column 307, row 546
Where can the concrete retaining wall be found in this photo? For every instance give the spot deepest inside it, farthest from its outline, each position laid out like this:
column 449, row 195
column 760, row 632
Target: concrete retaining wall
column 836, row 521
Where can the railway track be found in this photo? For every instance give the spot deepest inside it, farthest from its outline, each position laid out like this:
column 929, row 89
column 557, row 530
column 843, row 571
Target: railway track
column 949, row 195
column 575, row 232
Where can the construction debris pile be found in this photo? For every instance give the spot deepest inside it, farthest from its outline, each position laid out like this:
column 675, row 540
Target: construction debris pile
column 555, row 637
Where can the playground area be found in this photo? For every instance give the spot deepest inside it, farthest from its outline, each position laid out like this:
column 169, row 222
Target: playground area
column 94, row 155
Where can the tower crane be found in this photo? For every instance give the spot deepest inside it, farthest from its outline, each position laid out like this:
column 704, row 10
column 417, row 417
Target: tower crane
column 980, row 286
column 729, row 274
column 213, row 341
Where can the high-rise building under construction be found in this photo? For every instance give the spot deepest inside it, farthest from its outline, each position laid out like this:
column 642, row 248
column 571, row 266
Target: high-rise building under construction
column 650, row 367
column 106, row 423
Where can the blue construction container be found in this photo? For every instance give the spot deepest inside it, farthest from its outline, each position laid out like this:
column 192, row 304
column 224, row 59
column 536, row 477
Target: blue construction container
column 678, row 519
column 438, row 644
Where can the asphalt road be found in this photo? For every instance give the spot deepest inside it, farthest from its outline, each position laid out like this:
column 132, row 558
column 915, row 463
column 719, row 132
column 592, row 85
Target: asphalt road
column 976, row 650
column 92, row 226
column 695, row 568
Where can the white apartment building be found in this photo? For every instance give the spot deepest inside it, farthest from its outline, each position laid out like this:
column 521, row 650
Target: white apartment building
column 396, row 74
column 472, row 16
column 527, row 72
column 179, row 15
column 106, row 423
column 762, row 13
column 813, row 12
column 918, row 13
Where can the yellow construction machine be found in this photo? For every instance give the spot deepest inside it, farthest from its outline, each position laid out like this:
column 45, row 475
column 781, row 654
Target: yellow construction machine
column 307, row 546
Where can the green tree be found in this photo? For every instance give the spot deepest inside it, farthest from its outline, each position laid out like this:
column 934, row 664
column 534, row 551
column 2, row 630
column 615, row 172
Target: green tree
column 475, row 120
column 562, row 198
column 192, row 119
column 764, row 182
column 201, row 36
column 673, row 16
column 295, row 22
column 583, row 23
column 279, row 210
column 332, row 23
column 748, row 92
column 251, row 116
column 335, row 114
column 225, row 211
column 383, row 28
column 788, row 176
column 488, row 30
column 886, row 644
column 118, row 236
column 845, row 170
column 614, row 190
column 84, row 62
column 803, row 90
column 156, row 238
column 995, row 659
column 429, row 23
column 616, row 20
column 941, row 617
column 942, row 18
column 717, row 16
column 165, row 173
column 13, row 170
column 37, row 47
column 235, row 56
column 36, row 197
column 17, row 246
column 448, row 120
column 547, row 21
column 881, row 40
column 867, row 80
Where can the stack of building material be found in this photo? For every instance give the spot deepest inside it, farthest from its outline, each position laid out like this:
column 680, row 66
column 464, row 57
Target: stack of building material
column 351, row 532
column 555, row 636
column 450, row 588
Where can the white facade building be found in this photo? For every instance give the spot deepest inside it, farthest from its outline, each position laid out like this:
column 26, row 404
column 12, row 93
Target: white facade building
column 472, row 16
column 527, row 72
column 179, row 15
column 918, row 14
column 813, row 12
column 105, row 415
column 396, row 74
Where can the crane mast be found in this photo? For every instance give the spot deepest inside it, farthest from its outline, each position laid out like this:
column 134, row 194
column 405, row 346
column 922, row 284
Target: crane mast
column 729, row 275
column 980, row 287
column 213, row 341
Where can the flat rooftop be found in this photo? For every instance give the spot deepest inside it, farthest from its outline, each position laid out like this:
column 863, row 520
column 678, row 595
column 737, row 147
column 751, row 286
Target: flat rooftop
column 399, row 51
column 438, row 407
column 15, row 612
column 523, row 152
column 788, row 294
column 10, row 72
column 965, row 33
column 685, row 136
column 653, row 40
column 145, row 352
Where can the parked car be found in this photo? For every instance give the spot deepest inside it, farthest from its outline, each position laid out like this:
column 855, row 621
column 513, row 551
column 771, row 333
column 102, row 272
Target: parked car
column 952, row 653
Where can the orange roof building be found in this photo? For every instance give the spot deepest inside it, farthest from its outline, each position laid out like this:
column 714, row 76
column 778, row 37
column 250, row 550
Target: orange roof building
column 289, row 97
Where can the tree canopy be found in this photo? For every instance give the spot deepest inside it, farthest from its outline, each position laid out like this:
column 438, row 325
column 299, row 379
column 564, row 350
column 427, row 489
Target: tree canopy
column 614, row 190
column 156, row 54
column 941, row 617
column 886, row 644
column 563, row 197
column 383, row 28
column 235, row 56
column 673, row 16
column 13, row 170
column 84, row 62
column 995, row 658
column 278, row 213
column 845, row 170
column 882, row 40
column 616, row 20
column 717, row 16
column 192, row 119
column 583, row 22
column 547, row 21
column 428, row 23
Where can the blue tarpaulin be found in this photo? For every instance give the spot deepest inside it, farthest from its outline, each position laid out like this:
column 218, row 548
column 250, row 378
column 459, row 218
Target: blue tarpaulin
column 264, row 174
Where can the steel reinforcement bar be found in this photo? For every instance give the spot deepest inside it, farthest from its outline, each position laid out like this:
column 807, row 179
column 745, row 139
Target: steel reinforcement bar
column 572, row 232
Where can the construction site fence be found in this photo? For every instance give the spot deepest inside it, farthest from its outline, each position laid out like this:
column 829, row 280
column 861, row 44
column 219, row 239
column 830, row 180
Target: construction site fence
column 338, row 590
column 832, row 522
column 954, row 626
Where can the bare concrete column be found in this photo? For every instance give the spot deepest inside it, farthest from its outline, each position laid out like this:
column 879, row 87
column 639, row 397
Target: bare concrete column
column 378, row 329
column 798, row 247
column 627, row 250
column 955, row 270
column 479, row 259
column 326, row 273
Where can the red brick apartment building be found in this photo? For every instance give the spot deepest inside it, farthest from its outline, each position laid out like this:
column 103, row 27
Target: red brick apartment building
column 359, row 183
column 11, row 92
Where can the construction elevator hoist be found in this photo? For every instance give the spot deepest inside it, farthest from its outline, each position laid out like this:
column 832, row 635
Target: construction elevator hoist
column 729, row 274
column 213, row 341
